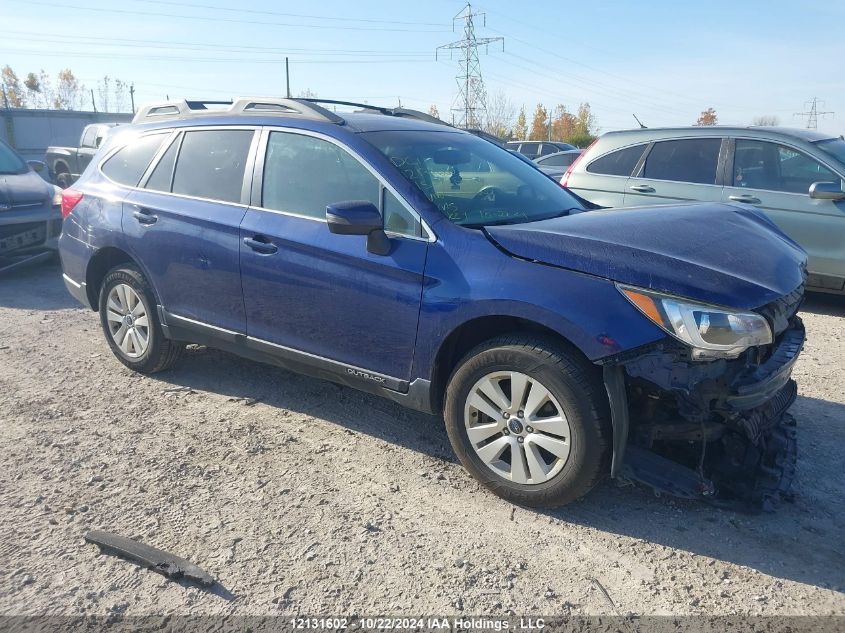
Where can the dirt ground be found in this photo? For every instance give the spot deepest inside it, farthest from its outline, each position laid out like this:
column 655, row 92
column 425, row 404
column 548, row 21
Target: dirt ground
column 301, row 496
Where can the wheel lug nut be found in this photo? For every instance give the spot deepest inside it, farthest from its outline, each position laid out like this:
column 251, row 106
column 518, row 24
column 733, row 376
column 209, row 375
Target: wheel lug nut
column 529, row 429
column 520, row 439
column 520, row 413
column 505, row 431
column 506, row 415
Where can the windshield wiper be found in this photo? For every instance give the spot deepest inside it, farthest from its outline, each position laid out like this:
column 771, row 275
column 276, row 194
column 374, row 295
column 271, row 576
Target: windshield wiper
column 520, row 220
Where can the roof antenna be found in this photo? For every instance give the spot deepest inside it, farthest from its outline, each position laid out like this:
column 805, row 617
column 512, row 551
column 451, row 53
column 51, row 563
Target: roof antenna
column 642, row 127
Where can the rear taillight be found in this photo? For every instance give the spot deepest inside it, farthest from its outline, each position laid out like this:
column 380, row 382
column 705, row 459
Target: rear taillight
column 70, row 198
column 565, row 180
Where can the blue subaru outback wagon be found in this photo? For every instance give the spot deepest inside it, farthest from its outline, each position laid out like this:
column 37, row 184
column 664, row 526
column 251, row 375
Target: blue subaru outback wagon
column 398, row 255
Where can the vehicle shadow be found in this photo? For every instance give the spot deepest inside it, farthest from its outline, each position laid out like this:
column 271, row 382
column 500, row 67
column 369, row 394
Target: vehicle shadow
column 824, row 304
column 16, row 288
column 798, row 542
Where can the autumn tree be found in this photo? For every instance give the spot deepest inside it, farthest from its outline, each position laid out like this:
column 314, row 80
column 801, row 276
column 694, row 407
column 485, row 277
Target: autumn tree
column 520, row 130
column 433, row 111
column 11, row 94
column 708, row 117
column 766, row 119
column 69, row 92
column 563, row 123
column 539, row 124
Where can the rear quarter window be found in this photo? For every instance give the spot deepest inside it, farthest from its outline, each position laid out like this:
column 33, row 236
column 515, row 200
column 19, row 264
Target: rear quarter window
column 129, row 163
column 618, row 163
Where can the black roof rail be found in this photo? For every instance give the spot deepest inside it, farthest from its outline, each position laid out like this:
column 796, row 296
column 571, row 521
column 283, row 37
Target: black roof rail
column 185, row 109
column 400, row 112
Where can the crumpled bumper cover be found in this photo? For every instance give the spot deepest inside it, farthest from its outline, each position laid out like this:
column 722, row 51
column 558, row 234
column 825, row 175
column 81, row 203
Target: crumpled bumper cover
column 761, row 383
column 734, row 412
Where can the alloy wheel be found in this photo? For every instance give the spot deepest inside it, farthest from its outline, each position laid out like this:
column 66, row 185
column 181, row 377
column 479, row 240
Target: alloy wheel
column 517, row 427
column 128, row 321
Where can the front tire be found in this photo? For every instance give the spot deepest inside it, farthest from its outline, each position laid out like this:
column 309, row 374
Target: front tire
column 529, row 419
column 130, row 322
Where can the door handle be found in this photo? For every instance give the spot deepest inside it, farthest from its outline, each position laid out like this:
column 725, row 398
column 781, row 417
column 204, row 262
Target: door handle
column 145, row 216
column 747, row 199
column 642, row 188
column 260, row 245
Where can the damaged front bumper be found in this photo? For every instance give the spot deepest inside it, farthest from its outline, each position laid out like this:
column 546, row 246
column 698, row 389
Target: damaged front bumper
column 715, row 430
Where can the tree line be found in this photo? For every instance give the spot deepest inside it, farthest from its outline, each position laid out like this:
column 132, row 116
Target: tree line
column 62, row 92
column 502, row 119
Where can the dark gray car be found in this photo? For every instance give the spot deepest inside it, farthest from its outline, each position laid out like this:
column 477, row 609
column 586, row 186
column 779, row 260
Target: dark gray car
column 796, row 177
column 30, row 218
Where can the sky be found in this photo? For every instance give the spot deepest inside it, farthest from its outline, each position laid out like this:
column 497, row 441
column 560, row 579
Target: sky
column 663, row 60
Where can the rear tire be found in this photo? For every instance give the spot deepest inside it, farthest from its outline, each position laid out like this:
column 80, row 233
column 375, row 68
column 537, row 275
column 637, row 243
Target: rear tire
column 130, row 322
column 541, row 438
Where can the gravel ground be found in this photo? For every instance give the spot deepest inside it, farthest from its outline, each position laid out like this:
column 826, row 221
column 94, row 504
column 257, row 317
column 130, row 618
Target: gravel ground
column 301, row 496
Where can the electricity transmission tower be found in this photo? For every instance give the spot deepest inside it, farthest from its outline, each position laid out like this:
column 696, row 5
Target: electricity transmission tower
column 813, row 114
column 470, row 105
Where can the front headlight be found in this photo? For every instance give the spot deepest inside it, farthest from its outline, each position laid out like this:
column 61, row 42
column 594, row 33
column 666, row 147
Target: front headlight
column 711, row 331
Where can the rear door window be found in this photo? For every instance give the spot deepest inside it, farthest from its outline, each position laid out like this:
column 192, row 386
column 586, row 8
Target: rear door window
column 773, row 167
column 129, row 163
column 211, row 164
column 303, row 174
column 618, row 163
column 692, row 160
column 88, row 136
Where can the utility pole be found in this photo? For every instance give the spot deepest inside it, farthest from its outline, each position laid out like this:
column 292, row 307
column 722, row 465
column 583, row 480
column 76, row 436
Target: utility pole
column 132, row 97
column 813, row 114
column 93, row 103
column 471, row 101
column 287, row 76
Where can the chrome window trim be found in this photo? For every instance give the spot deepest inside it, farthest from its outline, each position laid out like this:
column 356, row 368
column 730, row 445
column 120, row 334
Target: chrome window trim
column 159, row 154
column 431, row 237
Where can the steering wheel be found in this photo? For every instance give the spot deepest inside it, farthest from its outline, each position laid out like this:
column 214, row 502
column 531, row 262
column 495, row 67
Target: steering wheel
column 489, row 193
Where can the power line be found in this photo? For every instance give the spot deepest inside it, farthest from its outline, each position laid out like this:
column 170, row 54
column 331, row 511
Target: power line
column 289, row 15
column 216, row 60
column 813, row 114
column 105, row 43
column 471, row 102
column 205, row 18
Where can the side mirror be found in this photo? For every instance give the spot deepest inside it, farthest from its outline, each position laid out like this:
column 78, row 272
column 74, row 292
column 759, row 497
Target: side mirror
column 359, row 217
column 827, row 191
column 37, row 165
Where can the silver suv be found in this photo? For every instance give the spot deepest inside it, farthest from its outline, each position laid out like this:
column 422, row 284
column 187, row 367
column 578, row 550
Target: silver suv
column 797, row 177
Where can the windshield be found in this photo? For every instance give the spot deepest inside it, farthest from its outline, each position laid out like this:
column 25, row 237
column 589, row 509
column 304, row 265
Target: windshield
column 471, row 181
column 10, row 162
column 835, row 147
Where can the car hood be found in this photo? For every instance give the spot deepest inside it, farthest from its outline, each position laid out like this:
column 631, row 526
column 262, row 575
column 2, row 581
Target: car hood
column 26, row 188
column 728, row 254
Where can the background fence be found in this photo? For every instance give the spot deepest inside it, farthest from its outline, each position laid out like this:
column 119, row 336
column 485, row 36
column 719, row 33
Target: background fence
column 31, row 132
